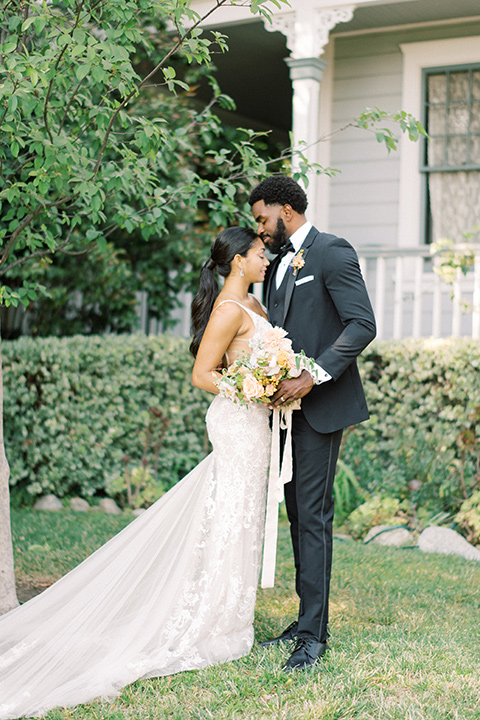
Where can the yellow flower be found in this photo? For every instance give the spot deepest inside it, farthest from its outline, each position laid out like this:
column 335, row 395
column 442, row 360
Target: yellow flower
column 283, row 358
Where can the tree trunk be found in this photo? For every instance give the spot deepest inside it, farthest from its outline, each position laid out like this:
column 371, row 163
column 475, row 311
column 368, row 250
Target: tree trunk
column 8, row 595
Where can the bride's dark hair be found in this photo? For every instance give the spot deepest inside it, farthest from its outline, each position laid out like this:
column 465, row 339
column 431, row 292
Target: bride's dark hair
column 230, row 242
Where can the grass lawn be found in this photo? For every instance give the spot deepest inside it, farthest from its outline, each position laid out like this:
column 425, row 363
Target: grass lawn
column 405, row 636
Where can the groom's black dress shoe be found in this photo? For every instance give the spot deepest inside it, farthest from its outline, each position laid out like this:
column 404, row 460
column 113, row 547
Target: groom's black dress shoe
column 306, row 653
column 289, row 634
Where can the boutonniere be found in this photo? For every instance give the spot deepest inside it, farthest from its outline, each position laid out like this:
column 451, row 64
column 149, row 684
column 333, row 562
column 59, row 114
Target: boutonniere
column 297, row 263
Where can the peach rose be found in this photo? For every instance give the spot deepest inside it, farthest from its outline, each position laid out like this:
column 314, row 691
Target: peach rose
column 273, row 338
column 252, row 388
column 273, row 334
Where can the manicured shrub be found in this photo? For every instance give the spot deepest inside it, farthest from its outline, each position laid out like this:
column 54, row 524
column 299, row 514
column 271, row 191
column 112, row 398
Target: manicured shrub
column 424, row 400
column 76, row 410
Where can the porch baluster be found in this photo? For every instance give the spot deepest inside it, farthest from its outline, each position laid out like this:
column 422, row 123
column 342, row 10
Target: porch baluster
column 398, row 299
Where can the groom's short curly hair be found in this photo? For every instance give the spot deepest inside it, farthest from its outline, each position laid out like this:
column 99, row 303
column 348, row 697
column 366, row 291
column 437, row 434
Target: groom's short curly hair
column 280, row 190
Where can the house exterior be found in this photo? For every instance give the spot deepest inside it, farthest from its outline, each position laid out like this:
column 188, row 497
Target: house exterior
column 318, row 66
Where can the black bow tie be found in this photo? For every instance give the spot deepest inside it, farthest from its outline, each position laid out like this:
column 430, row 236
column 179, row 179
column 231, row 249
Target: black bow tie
column 286, row 249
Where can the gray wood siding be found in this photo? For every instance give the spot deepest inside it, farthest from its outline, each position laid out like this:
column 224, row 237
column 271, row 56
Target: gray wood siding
column 364, row 196
column 368, row 73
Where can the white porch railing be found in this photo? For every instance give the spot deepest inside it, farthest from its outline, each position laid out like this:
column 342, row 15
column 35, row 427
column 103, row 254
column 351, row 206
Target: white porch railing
column 411, row 300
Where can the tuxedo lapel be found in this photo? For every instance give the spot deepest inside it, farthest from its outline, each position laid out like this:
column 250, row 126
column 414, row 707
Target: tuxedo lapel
column 288, row 293
column 271, row 274
column 291, row 277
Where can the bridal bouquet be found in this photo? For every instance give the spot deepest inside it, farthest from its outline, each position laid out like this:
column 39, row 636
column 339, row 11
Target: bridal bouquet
column 256, row 376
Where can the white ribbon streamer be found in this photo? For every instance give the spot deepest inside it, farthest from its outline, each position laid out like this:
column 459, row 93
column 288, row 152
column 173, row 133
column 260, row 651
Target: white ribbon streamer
column 278, row 477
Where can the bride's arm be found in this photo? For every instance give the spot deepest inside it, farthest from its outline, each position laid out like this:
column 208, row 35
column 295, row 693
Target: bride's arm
column 224, row 324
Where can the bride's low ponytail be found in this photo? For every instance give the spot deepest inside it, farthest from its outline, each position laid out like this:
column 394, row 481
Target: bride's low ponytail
column 230, row 242
column 203, row 303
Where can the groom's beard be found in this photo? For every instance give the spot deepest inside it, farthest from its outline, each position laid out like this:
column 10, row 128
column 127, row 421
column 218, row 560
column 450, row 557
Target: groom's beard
column 279, row 237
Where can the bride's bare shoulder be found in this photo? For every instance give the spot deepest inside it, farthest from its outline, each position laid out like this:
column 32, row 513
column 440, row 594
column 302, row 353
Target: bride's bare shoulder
column 226, row 314
column 226, row 307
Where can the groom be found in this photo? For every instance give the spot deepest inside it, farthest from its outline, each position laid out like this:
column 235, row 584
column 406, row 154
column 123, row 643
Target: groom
column 315, row 290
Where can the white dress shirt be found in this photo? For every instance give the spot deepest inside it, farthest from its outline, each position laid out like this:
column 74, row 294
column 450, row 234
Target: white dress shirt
column 319, row 375
column 297, row 241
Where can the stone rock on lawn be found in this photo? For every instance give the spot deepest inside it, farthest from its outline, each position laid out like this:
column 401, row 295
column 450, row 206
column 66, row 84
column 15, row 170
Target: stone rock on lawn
column 388, row 535
column 79, row 504
column 109, row 506
column 447, row 542
column 48, row 502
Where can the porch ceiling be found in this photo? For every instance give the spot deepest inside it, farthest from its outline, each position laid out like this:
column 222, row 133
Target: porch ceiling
column 374, row 15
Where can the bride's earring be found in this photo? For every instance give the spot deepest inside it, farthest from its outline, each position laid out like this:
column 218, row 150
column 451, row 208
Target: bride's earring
column 242, row 274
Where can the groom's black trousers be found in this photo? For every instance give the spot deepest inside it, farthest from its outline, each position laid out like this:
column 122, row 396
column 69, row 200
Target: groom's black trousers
column 309, row 501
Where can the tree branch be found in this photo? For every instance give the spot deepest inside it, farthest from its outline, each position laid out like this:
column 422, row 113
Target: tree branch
column 201, row 115
column 69, row 104
column 13, row 237
column 37, row 254
column 27, row 220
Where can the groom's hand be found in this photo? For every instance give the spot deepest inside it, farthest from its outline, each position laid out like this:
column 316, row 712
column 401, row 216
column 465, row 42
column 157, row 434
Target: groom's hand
column 292, row 389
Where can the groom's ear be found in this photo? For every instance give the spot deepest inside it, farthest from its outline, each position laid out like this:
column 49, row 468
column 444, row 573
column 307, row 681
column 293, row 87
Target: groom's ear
column 287, row 211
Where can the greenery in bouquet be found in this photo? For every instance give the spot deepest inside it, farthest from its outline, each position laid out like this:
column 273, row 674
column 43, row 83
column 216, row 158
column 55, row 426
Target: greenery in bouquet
column 255, row 376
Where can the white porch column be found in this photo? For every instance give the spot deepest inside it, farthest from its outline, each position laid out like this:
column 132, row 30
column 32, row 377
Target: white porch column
column 306, row 75
column 307, row 31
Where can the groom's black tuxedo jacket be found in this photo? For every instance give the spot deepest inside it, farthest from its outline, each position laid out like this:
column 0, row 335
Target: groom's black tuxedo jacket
column 330, row 317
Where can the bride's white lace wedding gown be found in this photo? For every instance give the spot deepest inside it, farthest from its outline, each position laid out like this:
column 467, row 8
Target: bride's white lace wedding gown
column 174, row 591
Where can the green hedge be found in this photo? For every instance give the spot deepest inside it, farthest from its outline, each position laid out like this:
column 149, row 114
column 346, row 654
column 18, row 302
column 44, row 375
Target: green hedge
column 424, row 400
column 75, row 407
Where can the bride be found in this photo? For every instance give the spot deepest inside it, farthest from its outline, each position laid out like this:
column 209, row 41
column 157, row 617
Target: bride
column 175, row 590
